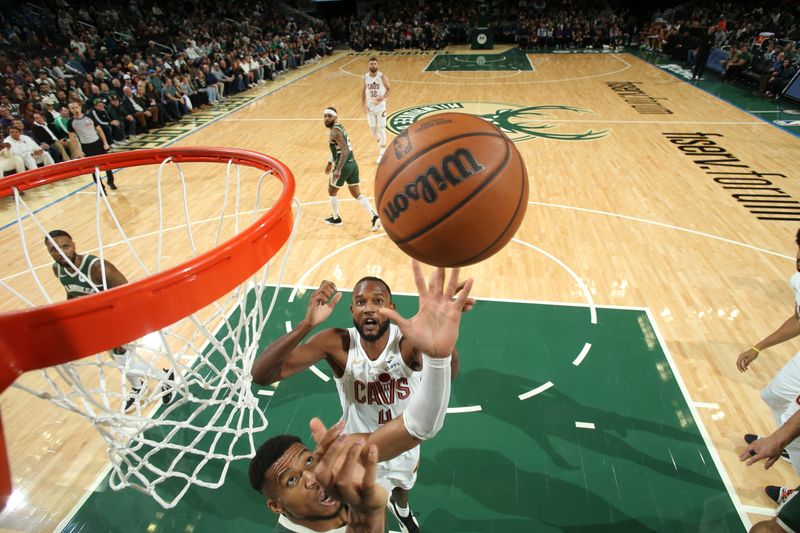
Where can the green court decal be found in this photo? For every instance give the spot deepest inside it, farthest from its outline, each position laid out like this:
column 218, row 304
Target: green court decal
column 514, row 59
column 609, row 445
column 519, row 123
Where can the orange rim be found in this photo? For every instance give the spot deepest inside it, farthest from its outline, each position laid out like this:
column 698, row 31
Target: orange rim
column 57, row 333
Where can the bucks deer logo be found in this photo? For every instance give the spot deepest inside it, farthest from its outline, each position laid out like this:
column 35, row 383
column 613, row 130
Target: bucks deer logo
column 519, row 123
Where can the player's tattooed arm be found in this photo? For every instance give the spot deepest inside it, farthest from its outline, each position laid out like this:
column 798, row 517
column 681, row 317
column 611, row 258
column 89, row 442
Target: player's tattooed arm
column 114, row 278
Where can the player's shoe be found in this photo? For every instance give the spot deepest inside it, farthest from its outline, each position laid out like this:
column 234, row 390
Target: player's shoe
column 168, row 387
column 778, row 494
column 334, row 221
column 112, row 186
column 135, row 392
column 750, row 438
column 376, row 223
column 408, row 524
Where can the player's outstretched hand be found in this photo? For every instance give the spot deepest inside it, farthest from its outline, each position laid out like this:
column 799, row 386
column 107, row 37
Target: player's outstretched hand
column 745, row 358
column 768, row 448
column 434, row 329
column 340, row 473
column 321, row 303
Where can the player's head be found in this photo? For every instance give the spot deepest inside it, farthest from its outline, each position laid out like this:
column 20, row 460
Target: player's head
column 373, row 64
column 63, row 241
column 369, row 295
column 282, row 471
column 329, row 116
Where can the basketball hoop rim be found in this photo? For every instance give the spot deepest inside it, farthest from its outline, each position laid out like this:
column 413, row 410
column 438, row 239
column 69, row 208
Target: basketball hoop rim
column 61, row 332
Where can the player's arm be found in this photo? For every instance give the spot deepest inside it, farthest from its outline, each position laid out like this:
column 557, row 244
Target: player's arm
column 338, row 138
column 788, row 330
column 387, row 86
column 364, row 94
column 114, row 278
column 286, row 356
column 771, row 447
column 102, row 135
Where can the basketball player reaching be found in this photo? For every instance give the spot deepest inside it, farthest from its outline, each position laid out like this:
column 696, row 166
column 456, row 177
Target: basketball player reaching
column 376, row 364
column 84, row 274
column 783, row 392
column 373, row 99
column 345, row 170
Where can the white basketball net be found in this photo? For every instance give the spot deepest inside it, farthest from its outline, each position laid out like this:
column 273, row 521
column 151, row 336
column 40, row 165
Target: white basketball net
column 163, row 448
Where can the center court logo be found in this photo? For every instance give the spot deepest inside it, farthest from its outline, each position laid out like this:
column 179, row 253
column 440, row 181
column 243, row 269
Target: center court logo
column 519, row 123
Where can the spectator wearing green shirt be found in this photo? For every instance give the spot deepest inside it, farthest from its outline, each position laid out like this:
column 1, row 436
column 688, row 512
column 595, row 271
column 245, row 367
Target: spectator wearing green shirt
column 738, row 63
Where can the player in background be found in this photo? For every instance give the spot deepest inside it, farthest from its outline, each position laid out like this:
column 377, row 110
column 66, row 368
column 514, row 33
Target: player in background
column 374, row 92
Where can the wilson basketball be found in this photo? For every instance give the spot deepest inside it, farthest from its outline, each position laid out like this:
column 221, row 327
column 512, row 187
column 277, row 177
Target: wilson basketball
column 451, row 190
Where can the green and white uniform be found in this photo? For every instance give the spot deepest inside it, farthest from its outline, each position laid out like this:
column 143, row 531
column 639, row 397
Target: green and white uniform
column 789, row 513
column 287, row 526
column 349, row 173
column 77, row 284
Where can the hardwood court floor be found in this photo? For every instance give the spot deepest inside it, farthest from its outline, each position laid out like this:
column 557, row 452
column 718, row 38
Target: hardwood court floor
column 614, row 200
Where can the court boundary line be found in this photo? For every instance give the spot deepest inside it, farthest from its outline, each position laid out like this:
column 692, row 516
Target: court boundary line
column 665, row 225
column 272, row 91
column 431, row 82
column 655, row 67
column 712, row 450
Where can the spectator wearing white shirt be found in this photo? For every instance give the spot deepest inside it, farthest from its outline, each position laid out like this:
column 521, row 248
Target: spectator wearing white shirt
column 9, row 161
column 26, row 148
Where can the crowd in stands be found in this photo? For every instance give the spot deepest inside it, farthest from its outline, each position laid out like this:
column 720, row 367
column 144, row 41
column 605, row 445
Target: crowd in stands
column 760, row 44
column 532, row 24
column 132, row 68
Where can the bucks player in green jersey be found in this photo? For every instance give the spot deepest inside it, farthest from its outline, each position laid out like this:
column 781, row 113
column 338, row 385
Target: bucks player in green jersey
column 86, row 274
column 345, row 170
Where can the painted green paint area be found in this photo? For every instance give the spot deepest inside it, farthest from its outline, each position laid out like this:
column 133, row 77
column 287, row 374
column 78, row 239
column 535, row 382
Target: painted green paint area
column 513, row 59
column 516, row 465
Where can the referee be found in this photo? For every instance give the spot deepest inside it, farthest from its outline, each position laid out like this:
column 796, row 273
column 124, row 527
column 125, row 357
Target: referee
column 91, row 137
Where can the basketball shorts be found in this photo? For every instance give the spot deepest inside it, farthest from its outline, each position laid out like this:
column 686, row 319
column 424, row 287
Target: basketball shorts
column 376, row 116
column 789, row 513
column 349, row 175
column 399, row 472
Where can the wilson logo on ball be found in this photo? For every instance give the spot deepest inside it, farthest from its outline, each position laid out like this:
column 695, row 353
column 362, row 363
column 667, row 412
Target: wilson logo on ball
column 455, row 169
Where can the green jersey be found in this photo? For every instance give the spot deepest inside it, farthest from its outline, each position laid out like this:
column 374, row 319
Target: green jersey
column 287, row 526
column 77, row 284
column 336, row 151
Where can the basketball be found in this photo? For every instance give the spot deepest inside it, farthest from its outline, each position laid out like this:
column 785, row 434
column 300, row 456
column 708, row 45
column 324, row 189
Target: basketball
column 451, row 190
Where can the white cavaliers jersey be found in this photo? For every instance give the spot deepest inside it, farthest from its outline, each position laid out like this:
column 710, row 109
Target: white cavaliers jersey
column 374, row 392
column 374, row 88
column 795, row 282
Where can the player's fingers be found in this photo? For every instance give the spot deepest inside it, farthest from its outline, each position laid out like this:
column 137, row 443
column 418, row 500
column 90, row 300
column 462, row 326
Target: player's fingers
column 318, row 429
column 436, row 281
column 336, row 298
column 468, row 305
column 463, row 295
column 327, row 438
column 453, row 285
column 771, row 461
column 370, row 466
column 344, row 478
column 419, row 279
column 325, row 462
column 394, row 316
